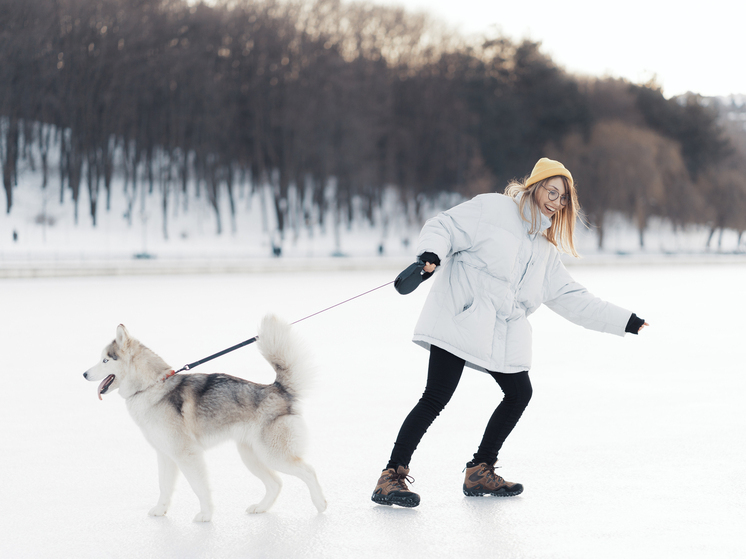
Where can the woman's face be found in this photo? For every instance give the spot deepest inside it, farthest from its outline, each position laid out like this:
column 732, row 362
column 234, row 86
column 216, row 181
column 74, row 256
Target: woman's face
column 554, row 188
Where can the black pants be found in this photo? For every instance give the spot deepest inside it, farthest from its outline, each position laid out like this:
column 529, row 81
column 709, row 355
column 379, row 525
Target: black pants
column 443, row 376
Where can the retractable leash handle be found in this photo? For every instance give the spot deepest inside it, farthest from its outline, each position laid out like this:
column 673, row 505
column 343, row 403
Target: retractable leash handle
column 412, row 276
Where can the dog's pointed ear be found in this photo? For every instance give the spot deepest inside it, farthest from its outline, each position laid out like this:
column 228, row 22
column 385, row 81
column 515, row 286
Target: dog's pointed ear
column 122, row 335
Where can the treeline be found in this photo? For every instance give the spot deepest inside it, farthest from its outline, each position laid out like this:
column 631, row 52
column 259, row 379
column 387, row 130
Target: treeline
column 649, row 156
column 302, row 95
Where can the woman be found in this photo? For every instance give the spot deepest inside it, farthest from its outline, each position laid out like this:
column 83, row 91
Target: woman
column 500, row 262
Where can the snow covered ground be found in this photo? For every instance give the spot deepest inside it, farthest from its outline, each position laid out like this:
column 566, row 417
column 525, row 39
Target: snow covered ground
column 631, row 447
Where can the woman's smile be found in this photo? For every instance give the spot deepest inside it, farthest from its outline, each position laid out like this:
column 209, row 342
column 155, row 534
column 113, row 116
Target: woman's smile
column 554, row 187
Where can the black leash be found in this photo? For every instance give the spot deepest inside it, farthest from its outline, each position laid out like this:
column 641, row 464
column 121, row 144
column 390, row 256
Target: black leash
column 255, row 338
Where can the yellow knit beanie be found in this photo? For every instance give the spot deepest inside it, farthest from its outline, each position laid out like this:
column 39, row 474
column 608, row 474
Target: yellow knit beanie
column 546, row 168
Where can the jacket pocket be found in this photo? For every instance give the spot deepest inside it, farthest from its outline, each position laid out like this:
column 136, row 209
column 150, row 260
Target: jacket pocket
column 461, row 290
column 467, row 311
column 474, row 329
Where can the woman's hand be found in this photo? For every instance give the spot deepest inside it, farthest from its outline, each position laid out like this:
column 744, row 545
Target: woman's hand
column 643, row 326
column 430, row 268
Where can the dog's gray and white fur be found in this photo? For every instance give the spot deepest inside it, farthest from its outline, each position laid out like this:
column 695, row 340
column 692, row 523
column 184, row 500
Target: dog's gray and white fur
column 182, row 415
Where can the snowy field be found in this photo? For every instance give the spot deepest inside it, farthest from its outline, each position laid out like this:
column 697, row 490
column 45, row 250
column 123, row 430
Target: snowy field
column 631, row 447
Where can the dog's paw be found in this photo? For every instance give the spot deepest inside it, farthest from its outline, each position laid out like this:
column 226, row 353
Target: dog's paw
column 203, row 517
column 321, row 507
column 158, row 510
column 256, row 509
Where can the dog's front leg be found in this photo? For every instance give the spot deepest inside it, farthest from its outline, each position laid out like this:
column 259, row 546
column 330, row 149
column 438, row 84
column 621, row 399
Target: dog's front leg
column 167, row 472
column 193, row 468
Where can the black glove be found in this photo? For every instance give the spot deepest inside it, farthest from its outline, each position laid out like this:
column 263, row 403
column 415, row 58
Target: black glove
column 430, row 257
column 633, row 324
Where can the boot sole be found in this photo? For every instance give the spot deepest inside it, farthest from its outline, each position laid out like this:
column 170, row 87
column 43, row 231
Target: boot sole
column 388, row 500
column 476, row 492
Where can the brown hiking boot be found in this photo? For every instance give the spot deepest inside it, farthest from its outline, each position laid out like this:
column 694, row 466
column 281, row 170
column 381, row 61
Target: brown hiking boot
column 392, row 489
column 482, row 480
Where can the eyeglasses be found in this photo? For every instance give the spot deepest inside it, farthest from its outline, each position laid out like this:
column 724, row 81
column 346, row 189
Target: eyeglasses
column 554, row 194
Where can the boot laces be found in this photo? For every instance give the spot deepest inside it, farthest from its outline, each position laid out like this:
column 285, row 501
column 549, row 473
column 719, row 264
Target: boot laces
column 400, row 480
column 492, row 476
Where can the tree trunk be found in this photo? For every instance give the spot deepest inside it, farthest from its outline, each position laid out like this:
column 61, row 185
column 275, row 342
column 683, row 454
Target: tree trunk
column 93, row 184
column 599, row 223
column 11, row 160
column 74, row 173
column 709, row 237
column 164, row 207
column 231, row 198
column 212, row 184
column 45, row 131
column 108, row 163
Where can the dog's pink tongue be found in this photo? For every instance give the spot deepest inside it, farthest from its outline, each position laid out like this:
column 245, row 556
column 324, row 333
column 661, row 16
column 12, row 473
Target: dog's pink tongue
column 103, row 387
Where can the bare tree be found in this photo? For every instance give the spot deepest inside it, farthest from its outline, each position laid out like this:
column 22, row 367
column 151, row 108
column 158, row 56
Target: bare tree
column 624, row 168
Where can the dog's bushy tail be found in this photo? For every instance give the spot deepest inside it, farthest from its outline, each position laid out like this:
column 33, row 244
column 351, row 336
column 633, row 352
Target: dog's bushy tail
column 288, row 356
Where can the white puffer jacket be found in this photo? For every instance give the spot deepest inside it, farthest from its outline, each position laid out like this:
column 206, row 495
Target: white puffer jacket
column 494, row 274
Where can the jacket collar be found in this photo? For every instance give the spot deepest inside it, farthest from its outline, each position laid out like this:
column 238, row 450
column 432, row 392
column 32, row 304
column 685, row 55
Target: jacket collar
column 545, row 221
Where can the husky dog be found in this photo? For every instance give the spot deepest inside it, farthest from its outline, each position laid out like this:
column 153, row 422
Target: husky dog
column 182, row 415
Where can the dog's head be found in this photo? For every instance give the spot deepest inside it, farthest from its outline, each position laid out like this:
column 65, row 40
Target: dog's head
column 111, row 367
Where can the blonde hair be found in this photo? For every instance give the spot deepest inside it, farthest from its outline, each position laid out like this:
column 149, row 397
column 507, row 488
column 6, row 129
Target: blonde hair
column 561, row 232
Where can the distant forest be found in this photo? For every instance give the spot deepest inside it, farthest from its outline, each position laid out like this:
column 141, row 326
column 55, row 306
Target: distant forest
column 299, row 94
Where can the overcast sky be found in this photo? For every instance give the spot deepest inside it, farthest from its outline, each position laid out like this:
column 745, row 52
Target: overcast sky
column 687, row 47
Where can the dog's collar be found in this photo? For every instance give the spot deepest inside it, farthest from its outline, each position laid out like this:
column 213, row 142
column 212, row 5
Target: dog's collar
column 164, row 378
